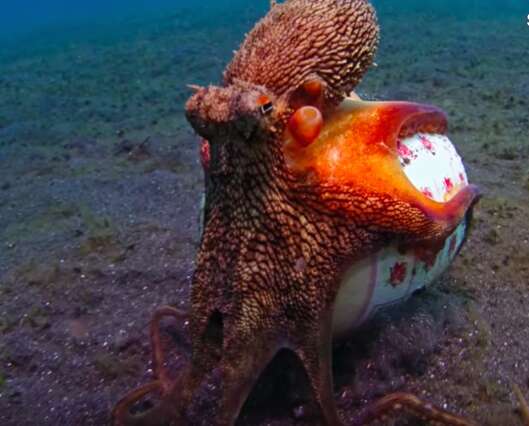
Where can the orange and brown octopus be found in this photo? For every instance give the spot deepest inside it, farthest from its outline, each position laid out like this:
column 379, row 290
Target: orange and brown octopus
column 284, row 219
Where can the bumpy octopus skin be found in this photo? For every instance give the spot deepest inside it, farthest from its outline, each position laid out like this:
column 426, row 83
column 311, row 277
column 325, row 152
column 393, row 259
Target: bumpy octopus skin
column 333, row 41
column 278, row 231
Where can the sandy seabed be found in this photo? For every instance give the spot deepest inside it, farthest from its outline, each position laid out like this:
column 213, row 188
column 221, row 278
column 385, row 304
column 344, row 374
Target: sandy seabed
column 99, row 190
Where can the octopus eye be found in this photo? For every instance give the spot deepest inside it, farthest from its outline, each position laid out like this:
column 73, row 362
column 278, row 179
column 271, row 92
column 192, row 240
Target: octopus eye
column 265, row 104
column 267, row 108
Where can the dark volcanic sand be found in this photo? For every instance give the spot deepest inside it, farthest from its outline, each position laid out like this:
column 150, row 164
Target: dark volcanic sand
column 99, row 191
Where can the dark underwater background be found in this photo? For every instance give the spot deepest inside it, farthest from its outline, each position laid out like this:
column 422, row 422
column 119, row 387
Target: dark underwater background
column 100, row 185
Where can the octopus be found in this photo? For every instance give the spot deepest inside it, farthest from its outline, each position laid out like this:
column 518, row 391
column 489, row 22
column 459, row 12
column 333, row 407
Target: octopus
column 301, row 181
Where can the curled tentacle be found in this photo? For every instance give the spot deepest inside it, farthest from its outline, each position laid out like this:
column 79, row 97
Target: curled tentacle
column 158, row 415
column 121, row 414
column 523, row 406
column 157, row 351
column 398, row 402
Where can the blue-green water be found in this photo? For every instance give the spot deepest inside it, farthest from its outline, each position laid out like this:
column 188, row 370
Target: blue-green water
column 27, row 17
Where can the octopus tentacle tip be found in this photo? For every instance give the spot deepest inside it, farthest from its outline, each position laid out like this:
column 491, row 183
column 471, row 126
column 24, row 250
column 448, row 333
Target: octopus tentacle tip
column 194, row 87
column 523, row 406
column 354, row 96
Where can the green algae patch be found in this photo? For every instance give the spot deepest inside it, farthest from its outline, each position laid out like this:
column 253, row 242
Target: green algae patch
column 55, row 218
column 101, row 237
column 36, row 318
column 36, row 274
column 110, row 366
column 525, row 180
column 492, row 237
column 499, row 207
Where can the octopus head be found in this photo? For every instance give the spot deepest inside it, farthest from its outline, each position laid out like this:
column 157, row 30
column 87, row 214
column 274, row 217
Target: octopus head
column 291, row 72
column 241, row 111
